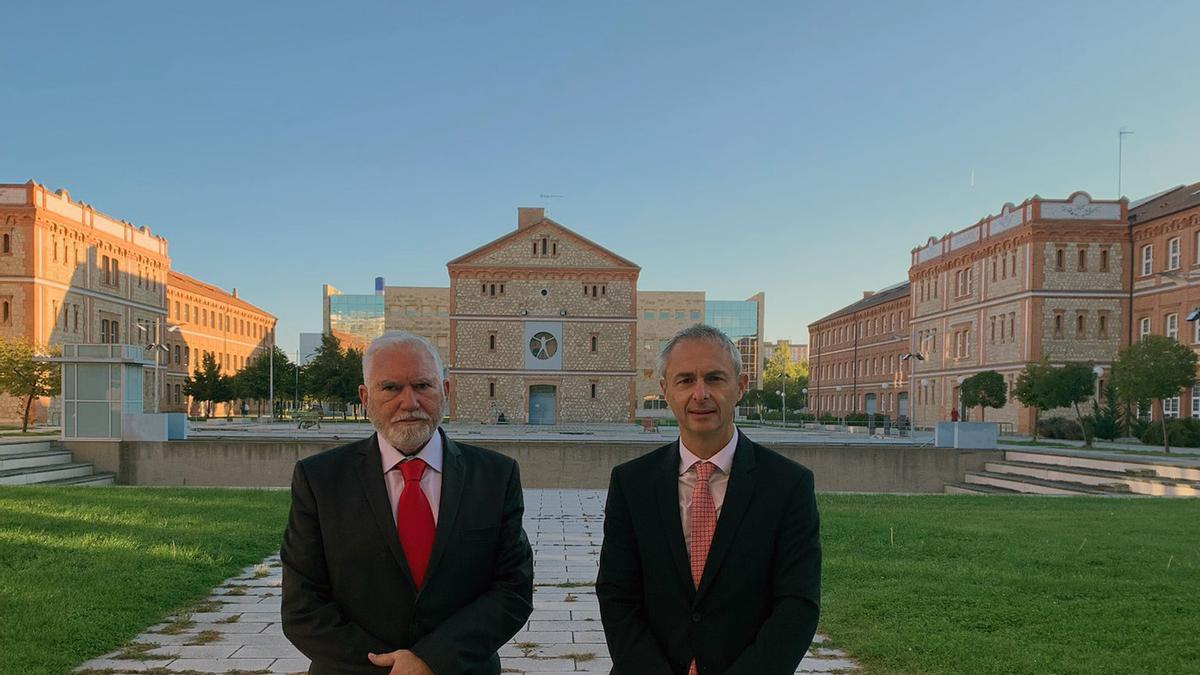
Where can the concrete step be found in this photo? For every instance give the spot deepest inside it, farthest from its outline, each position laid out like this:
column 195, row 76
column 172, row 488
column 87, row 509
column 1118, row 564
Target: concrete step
column 1037, row 486
column 34, row 459
column 1135, row 482
column 32, row 475
column 22, row 447
column 976, row 489
column 94, row 480
column 1182, row 469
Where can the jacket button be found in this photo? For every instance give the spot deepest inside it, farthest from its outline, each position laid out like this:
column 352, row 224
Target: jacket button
column 696, row 617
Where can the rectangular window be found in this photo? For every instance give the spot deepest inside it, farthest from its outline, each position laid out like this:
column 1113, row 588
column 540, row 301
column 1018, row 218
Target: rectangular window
column 492, row 342
column 1059, row 255
column 1102, row 328
column 1103, row 260
column 1171, row 407
column 695, row 315
column 664, row 315
column 1196, row 401
column 594, row 343
column 1058, row 325
column 648, row 316
column 1079, row 325
column 491, row 390
column 104, row 269
column 1144, row 327
column 1172, row 326
column 593, row 390
column 1147, row 260
column 1082, row 263
column 1173, row 254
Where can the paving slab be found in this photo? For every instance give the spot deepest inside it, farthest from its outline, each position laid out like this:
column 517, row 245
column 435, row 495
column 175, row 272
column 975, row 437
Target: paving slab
column 564, row 634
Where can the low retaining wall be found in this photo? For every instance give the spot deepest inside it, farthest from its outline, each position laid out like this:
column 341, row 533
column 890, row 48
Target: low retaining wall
column 544, row 464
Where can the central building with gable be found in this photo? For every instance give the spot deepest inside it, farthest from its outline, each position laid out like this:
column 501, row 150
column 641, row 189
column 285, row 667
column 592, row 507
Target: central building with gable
column 543, row 328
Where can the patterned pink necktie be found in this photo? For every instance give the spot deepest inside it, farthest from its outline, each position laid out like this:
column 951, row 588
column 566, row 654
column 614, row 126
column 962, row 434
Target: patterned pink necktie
column 702, row 523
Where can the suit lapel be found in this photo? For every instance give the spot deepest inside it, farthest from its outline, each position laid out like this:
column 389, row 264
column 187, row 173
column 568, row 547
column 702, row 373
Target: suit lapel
column 453, row 480
column 738, row 494
column 666, row 493
column 370, row 471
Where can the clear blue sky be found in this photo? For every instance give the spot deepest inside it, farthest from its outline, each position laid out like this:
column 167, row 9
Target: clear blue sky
column 796, row 148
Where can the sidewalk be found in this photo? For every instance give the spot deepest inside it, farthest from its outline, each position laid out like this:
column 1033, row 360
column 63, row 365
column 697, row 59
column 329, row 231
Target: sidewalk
column 239, row 628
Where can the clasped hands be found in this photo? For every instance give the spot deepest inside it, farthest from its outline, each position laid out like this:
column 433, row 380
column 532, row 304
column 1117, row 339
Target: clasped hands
column 401, row 662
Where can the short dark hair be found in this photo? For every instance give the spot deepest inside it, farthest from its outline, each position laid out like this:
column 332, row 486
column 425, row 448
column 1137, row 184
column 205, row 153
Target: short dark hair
column 705, row 333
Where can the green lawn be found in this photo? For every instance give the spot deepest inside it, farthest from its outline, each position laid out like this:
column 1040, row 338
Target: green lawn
column 970, row 584
column 83, row 570
column 1013, row 584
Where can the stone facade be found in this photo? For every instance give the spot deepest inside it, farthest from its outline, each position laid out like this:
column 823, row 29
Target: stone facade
column 423, row 311
column 542, row 328
column 661, row 314
column 1044, row 278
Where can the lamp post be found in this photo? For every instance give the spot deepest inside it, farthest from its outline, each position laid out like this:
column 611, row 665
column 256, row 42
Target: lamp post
column 158, row 348
column 912, row 358
column 296, row 391
column 805, row 405
column 271, row 376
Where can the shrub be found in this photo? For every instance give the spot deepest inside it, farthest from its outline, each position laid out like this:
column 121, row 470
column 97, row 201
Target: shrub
column 1060, row 427
column 1184, row 433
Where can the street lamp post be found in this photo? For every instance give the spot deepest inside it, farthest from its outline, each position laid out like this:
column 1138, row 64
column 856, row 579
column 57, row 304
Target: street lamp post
column 805, row 405
column 158, row 347
column 271, row 376
column 912, row 358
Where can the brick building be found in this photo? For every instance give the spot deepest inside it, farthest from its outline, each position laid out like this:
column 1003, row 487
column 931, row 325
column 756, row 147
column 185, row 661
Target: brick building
column 543, row 325
column 206, row 319
column 70, row 274
column 1166, row 275
column 855, row 358
column 1043, row 278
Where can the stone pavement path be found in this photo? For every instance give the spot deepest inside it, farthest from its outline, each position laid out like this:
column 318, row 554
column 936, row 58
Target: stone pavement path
column 237, row 628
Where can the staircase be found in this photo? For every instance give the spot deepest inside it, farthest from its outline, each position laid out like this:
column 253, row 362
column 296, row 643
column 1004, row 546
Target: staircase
column 1069, row 472
column 46, row 463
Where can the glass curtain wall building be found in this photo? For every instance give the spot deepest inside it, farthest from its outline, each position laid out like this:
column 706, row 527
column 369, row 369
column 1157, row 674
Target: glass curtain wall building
column 742, row 321
column 355, row 319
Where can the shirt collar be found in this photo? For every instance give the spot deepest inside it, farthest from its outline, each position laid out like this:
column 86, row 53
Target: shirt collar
column 431, row 454
column 723, row 459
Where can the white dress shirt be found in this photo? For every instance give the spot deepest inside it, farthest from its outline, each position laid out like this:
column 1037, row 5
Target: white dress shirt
column 431, row 480
column 717, row 483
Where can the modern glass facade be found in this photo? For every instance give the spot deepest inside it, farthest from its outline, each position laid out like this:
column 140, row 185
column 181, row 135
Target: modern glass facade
column 740, row 320
column 356, row 319
column 736, row 318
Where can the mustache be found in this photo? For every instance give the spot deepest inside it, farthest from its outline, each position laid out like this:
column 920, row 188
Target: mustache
column 414, row 415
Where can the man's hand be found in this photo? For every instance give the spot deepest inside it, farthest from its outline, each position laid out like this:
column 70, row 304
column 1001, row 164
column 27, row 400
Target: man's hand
column 402, row 662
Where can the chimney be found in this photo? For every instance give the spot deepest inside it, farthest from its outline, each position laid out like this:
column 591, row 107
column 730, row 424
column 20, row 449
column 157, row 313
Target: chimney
column 528, row 215
column 867, row 294
column 235, row 293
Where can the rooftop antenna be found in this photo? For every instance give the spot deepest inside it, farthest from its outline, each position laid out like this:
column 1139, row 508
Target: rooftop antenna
column 1121, row 134
column 546, row 197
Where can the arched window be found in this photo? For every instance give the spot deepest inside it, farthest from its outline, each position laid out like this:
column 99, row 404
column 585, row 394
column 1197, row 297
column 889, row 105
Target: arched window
column 7, row 245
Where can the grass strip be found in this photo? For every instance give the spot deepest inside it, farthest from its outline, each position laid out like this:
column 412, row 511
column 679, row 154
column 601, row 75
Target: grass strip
column 998, row 584
column 87, row 569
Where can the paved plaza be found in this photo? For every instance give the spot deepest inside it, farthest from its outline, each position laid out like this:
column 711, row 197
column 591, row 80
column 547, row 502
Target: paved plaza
column 238, row 628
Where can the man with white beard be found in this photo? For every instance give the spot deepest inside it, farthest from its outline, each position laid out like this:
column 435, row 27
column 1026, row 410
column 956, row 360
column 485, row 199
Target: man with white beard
column 404, row 552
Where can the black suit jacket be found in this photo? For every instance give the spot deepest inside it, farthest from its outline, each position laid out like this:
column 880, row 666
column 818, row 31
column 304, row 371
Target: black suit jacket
column 347, row 589
column 756, row 609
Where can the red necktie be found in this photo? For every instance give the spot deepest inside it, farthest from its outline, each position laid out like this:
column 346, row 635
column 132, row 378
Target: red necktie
column 414, row 520
column 702, row 523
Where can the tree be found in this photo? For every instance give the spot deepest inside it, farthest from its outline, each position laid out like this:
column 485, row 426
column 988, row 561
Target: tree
column 1071, row 385
column 254, row 381
column 1106, row 415
column 1030, row 389
column 1155, row 368
column 984, row 389
column 26, row 377
column 322, row 372
column 207, row 384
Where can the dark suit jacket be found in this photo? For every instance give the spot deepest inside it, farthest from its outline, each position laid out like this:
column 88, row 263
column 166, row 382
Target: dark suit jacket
column 757, row 606
column 347, row 589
